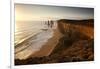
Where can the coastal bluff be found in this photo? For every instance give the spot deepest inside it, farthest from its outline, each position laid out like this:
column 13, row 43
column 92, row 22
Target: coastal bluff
column 83, row 26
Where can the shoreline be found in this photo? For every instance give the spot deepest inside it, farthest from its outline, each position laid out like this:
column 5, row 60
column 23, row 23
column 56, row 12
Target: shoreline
column 46, row 49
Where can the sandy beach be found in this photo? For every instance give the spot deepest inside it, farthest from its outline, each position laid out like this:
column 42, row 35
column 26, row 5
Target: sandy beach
column 49, row 46
column 39, row 45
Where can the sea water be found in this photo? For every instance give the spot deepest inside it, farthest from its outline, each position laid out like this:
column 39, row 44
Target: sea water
column 35, row 33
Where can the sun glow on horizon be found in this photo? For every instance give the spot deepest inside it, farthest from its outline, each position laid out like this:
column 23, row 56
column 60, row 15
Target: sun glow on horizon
column 24, row 12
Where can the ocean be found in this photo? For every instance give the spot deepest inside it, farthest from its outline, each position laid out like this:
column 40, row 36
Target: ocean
column 30, row 36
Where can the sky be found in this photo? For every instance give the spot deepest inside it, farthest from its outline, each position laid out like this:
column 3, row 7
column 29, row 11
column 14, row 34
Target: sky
column 31, row 12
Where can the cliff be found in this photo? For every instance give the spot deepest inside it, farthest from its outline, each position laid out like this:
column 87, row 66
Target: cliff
column 85, row 27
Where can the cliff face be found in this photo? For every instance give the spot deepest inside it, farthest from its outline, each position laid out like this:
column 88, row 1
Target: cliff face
column 85, row 27
column 77, row 44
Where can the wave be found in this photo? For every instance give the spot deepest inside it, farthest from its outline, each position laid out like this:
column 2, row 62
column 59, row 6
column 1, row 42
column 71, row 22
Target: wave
column 21, row 42
column 33, row 44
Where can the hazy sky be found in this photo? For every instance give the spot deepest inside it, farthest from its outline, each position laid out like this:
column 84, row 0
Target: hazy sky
column 26, row 12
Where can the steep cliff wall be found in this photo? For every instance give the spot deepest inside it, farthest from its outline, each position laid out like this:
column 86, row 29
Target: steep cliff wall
column 83, row 26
